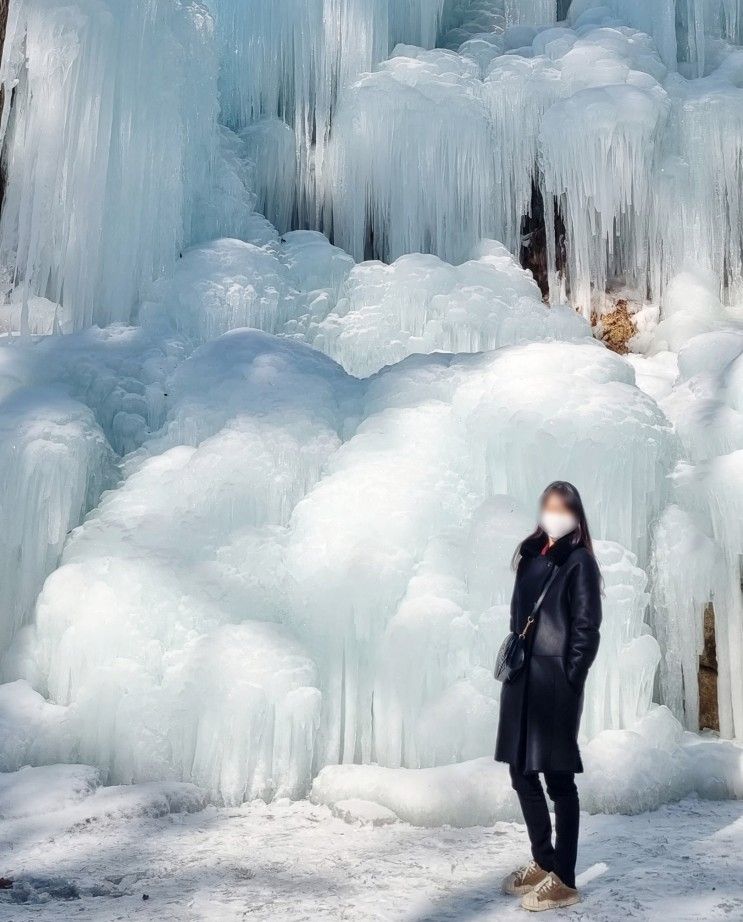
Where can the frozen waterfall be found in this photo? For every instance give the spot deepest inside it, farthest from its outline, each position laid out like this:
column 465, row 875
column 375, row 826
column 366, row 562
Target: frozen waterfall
column 278, row 391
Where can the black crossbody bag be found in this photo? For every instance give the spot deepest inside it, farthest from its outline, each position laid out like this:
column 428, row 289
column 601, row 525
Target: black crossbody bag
column 512, row 654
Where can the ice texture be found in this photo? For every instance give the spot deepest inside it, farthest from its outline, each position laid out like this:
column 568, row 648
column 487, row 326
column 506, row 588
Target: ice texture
column 264, row 617
column 626, row 771
column 685, row 31
column 707, row 403
column 591, row 117
column 364, row 315
column 420, row 304
column 110, row 148
column 55, row 462
column 276, row 404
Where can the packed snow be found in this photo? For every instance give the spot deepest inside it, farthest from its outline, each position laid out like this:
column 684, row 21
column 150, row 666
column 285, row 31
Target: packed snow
column 150, row 851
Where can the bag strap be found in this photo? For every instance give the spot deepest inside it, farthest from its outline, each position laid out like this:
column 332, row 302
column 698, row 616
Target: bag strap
column 538, row 604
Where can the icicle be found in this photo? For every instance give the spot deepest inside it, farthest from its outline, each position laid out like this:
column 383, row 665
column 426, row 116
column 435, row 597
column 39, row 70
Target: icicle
column 109, row 142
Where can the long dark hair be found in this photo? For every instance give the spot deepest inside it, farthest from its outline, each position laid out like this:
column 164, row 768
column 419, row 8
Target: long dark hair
column 581, row 535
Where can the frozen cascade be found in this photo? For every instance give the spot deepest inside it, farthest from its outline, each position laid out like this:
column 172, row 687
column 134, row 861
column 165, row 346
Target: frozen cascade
column 135, row 605
column 483, row 170
column 292, row 60
column 331, row 589
column 597, row 156
column 55, row 464
column 143, row 150
column 423, row 185
column 683, row 30
column 421, row 304
column 686, row 570
column 706, row 123
column 365, row 316
column 600, row 90
column 306, row 559
column 703, row 561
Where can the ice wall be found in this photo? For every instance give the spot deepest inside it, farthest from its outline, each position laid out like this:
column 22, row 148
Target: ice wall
column 292, row 61
column 55, row 463
column 420, row 304
column 685, row 31
column 438, row 185
column 264, row 617
column 110, row 147
column 308, row 562
column 698, row 547
column 616, row 145
column 365, row 316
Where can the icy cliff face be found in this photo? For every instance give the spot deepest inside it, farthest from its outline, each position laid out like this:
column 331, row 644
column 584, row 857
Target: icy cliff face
column 110, row 147
column 303, row 461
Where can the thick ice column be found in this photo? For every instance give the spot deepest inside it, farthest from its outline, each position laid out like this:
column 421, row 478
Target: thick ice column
column 698, row 560
column 698, row 218
column 686, row 569
column 518, row 91
column 411, row 162
column 530, row 12
column 598, row 150
column 415, row 21
column 619, row 689
column 289, row 61
column 55, row 463
column 109, row 140
column 702, row 19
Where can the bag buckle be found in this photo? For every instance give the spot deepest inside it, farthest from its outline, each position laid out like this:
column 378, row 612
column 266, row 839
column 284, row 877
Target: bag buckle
column 529, row 622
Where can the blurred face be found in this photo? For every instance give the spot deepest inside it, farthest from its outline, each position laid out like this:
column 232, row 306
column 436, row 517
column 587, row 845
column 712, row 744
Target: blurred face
column 556, row 518
column 555, row 503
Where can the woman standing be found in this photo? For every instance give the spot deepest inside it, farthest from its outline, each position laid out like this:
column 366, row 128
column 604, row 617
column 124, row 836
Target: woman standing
column 540, row 708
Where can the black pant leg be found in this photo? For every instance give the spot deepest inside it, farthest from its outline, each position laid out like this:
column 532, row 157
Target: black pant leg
column 563, row 792
column 536, row 816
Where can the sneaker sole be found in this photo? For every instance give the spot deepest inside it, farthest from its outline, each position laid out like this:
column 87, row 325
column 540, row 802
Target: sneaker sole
column 553, row 904
column 518, row 891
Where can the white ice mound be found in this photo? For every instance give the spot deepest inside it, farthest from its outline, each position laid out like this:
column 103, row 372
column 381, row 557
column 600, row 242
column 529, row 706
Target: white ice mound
column 420, row 304
column 55, row 463
column 626, row 771
column 364, row 316
column 279, row 286
column 227, row 284
column 152, row 622
column 303, row 567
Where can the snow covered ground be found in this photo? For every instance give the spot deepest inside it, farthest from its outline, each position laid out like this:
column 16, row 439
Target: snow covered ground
column 151, row 852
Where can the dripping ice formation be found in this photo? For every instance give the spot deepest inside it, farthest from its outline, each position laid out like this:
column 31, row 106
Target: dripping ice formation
column 278, row 395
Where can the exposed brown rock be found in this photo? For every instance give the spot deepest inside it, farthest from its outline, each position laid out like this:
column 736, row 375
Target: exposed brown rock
column 709, row 717
column 615, row 328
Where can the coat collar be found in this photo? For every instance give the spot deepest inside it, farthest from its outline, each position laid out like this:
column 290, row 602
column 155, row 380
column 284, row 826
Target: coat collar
column 557, row 554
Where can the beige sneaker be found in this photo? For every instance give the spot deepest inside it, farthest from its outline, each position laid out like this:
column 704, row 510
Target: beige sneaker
column 524, row 880
column 550, row 893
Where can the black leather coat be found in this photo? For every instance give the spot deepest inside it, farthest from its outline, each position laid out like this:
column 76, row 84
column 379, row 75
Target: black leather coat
column 540, row 711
